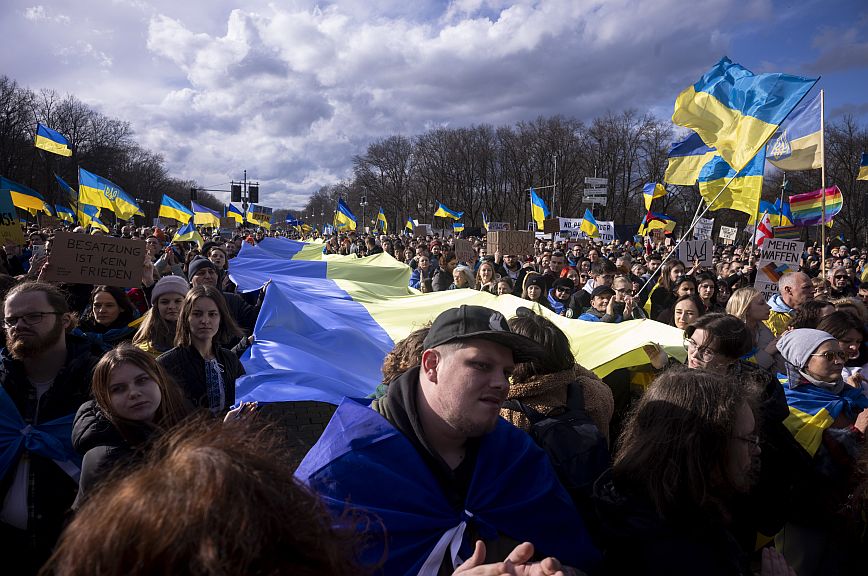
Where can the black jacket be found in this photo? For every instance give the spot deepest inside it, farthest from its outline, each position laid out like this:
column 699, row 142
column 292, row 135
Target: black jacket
column 187, row 367
column 101, row 444
column 242, row 312
column 52, row 491
column 636, row 540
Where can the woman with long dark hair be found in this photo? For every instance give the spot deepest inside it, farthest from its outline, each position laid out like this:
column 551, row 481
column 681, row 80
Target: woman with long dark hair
column 109, row 319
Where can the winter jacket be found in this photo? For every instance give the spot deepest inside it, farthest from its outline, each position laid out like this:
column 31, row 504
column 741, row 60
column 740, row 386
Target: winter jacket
column 187, row 367
column 780, row 315
column 52, row 490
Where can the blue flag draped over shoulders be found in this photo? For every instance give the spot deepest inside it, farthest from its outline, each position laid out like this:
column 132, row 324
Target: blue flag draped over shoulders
column 363, row 461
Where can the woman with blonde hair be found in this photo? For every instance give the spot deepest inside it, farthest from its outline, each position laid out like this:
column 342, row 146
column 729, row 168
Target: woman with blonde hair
column 748, row 305
column 156, row 333
column 486, row 278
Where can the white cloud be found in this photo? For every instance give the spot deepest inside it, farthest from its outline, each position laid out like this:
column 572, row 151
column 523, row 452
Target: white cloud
column 38, row 13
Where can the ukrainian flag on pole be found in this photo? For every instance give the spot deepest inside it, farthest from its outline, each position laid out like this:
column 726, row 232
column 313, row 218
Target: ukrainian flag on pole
column 64, row 213
column 737, row 111
column 232, row 211
column 410, row 225
column 204, row 216
column 24, row 197
column 651, row 191
column 589, row 225
column 52, row 141
column 457, row 227
column 686, row 159
column 863, row 167
column 102, row 192
column 381, row 218
column 344, row 217
column 743, row 193
column 188, row 233
column 170, row 208
column 485, row 221
column 445, row 212
column 538, row 209
column 797, row 143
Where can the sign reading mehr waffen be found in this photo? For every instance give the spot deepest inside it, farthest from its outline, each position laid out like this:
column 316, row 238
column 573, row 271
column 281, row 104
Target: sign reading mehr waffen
column 85, row 259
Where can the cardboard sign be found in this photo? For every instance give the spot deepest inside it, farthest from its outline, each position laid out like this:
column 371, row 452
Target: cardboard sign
column 702, row 250
column 607, row 230
column 703, row 229
column 423, row 230
column 657, row 235
column 728, row 233
column 85, row 259
column 551, row 225
column 10, row 229
column 777, row 257
column 228, row 224
column 513, row 242
column 51, row 222
column 498, row 226
column 464, row 250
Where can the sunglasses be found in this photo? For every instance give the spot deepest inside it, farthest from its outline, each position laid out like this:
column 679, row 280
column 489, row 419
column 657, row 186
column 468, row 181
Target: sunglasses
column 832, row 355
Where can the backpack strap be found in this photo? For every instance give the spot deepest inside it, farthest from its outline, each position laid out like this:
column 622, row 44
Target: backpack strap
column 576, row 396
column 518, row 406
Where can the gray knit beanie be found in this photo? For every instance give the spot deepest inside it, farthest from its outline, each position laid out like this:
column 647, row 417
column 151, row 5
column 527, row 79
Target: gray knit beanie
column 169, row 285
column 796, row 346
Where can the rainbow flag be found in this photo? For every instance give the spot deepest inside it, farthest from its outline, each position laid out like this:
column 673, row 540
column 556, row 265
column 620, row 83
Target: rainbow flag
column 787, row 232
column 807, row 208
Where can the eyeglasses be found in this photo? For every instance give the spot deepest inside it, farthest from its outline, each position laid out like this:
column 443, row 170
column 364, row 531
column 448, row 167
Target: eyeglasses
column 700, row 352
column 832, row 355
column 31, row 319
column 752, row 439
column 625, row 291
column 840, row 277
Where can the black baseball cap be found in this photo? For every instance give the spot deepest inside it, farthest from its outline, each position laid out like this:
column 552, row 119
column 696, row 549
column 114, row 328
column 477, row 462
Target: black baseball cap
column 602, row 291
column 466, row 322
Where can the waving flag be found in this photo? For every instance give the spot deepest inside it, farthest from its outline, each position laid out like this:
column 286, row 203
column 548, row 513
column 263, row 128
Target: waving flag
column 204, row 216
column 485, row 221
column 232, row 211
column 87, row 214
column 763, row 231
column 344, row 217
column 863, row 167
column 742, row 194
column 651, row 191
column 188, row 233
column 381, row 220
column 445, row 212
column 796, row 144
column 64, row 213
column 737, row 111
column 171, row 208
column 102, row 192
column 70, row 192
column 656, row 221
column 589, row 225
column 96, row 224
column 411, row 224
column 52, row 141
column 538, row 209
column 807, row 208
column 686, row 160
column 25, row 198
column 458, row 227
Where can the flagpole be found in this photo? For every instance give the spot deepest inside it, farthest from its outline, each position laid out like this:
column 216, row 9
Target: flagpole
column 756, row 222
column 822, row 184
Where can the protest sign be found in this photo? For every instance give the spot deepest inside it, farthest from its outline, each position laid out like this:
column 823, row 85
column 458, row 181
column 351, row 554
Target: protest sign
column 570, row 225
column 551, row 225
column 464, row 251
column 703, row 229
column 701, row 250
column 516, row 242
column 777, row 257
column 84, row 259
column 10, row 228
column 728, row 233
column 423, row 230
column 607, row 230
column 228, row 224
column 498, row 226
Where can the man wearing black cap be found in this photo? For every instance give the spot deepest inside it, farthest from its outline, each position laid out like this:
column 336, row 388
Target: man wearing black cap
column 441, row 469
column 602, row 306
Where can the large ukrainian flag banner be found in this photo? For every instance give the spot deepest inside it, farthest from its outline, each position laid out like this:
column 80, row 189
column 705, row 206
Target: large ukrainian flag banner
column 686, row 160
column 327, row 323
column 737, row 111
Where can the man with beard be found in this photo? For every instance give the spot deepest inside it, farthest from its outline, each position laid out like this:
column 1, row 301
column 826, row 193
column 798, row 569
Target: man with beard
column 439, row 467
column 44, row 378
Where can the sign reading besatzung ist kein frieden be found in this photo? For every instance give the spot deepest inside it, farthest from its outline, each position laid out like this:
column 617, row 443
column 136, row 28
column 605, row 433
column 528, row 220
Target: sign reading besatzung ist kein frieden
column 85, row 259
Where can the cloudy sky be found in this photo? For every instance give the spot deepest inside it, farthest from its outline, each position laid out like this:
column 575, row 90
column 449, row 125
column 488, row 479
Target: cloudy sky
column 291, row 90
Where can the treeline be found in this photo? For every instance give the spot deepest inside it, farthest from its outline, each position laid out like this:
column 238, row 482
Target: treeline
column 103, row 145
column 489, row 169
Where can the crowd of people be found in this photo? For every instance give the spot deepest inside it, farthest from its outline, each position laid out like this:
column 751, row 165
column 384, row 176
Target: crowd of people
column 487, row 449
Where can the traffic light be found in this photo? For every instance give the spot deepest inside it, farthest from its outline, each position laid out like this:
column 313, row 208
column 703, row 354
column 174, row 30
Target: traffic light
column 236, row 193
column 253, row 193
column 193, row 195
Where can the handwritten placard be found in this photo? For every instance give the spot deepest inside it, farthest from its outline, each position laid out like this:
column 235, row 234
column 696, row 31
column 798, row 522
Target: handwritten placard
column 777, row 257
column 498, row 226
column 690, row 251
column 464, row 251
column 513, row 242
column 84, row 259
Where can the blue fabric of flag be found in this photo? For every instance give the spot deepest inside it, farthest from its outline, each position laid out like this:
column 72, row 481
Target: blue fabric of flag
column 52, row 141
column 355, row 461
column 67, row 189
column 797, row 142
column 813, row 409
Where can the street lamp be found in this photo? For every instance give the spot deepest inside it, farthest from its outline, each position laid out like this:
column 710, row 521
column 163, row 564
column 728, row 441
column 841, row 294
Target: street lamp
column 363, row 202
